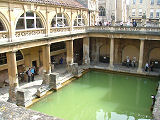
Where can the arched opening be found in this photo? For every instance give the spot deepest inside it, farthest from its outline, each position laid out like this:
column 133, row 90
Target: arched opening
column 154, row 57
column 102, row 11
column 130, row 51
column 19, row 55
column 3, row 58
column 79, row 21
column 59, row 20
column 29, row 20
column 2, row 28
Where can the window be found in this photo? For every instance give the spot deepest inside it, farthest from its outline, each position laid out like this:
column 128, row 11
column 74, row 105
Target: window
column 1, row 26
column 158, row 2
column 79, row 21
column 29, row 20
column 133, row 12
column 152, row 2
column 134, row 1
column 59, row 20
column 140, row 1
column 157, row 13
column 140, row 12
column 102, row 11
column 151, row 13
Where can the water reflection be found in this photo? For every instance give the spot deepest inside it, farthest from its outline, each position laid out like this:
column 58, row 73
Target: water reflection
column 101, row 115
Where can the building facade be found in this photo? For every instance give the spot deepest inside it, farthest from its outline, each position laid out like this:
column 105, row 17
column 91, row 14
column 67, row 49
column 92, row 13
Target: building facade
column 145, row 12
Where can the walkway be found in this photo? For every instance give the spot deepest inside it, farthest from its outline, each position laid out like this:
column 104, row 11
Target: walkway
column 64, row 76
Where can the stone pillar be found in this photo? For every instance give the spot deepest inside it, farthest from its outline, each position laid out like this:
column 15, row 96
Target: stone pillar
column 47, row 23
column 111, row 53
column 141, row 57
column 46, row 59
column 13, row 76
column 86, row 59
column 46, row 64
column 11, row 25
column 69, row 47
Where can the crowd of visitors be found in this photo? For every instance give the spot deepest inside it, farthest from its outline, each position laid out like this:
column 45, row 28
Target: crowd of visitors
column 131, row 63
column 149, row 67
column 107, row 23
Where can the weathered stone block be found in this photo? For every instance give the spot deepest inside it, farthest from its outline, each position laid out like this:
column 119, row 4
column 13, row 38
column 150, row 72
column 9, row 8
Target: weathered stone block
column 54, row 81
column 42, row 90
column 23, row 98
column 73, row 68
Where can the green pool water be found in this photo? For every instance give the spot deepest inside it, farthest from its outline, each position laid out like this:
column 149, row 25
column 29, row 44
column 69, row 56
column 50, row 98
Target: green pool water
column 101, row 96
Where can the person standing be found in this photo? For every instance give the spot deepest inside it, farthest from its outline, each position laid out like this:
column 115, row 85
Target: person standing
column 134, row 23
column 128, row 61
column 29, row 73
column 146, row 66
column 33, row 72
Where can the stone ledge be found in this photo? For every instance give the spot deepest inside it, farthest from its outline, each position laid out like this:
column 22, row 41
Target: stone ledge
column 9, row 111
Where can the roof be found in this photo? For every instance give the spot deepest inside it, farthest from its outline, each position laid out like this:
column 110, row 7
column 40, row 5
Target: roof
column 68, row 3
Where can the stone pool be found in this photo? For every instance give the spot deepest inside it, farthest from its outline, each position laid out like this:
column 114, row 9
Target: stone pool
column 102, row 96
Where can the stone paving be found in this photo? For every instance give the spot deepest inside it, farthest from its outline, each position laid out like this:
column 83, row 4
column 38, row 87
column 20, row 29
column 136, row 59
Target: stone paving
column 156, row 110
column 9, row 111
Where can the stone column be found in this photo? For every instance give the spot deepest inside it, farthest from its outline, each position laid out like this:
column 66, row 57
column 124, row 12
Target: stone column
column 141, row 57
column 46, row 59
column 86, row 59
column 111, row 53
column 13, row 76
column 47, row 23
column 69, row 47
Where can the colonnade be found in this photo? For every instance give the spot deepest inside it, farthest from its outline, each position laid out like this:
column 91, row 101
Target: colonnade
column 12, row 65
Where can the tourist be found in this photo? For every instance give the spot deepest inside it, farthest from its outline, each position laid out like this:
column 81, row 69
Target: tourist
column 33, row 72
column 153, row 101
column 61, row 61
column 151, row 66
column 134, row 62
column 128, row 61
column 134, row 23
column 100, row 23
column 29, row 73
column 121, row 24
column 146, row 66
column 128, row 23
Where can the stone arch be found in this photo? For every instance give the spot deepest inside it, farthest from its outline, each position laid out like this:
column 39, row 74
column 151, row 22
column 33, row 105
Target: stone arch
column 131, row 51
column 5, row 22
column 39, row 14
column 154, row 54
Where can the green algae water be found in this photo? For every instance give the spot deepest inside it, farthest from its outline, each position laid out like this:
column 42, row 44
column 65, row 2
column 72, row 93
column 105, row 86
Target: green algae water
column 101, row 96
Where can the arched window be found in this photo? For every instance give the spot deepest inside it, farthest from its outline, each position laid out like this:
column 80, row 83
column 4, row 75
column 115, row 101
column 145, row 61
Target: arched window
column 2, row 28
column 59, row 20
column 102, row 11
column 29, row 20
column 79, row 21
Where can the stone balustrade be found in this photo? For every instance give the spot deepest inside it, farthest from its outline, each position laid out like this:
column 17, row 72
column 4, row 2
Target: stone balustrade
column 123, row 29
column 3, row 34
column 60, row 29
column 29, row 32
column 41, row 32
